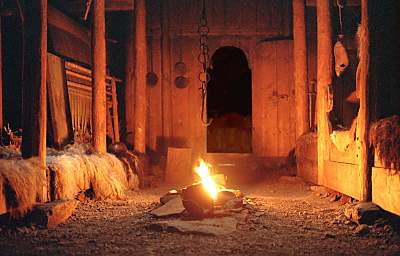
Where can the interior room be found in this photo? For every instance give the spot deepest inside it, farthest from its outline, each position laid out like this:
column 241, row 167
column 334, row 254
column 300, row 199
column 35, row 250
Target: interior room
column 199, row 127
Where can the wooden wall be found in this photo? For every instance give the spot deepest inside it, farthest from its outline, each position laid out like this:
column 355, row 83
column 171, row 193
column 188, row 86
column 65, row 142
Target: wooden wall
column 243, row 24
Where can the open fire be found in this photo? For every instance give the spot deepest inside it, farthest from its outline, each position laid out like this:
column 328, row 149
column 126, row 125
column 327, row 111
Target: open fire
column 205, row 206
column 207, row 181
column 208, row 195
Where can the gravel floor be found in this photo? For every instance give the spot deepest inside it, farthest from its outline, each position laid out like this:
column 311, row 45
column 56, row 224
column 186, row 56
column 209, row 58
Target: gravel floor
column 285, row 219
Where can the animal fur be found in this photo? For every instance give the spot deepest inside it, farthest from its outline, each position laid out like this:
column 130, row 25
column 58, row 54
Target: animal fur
column 71, row 172
column 385, row 137
column 21, row 183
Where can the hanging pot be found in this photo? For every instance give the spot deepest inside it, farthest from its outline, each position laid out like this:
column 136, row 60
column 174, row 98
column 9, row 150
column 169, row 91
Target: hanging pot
column 181, row 82
column 151, row 78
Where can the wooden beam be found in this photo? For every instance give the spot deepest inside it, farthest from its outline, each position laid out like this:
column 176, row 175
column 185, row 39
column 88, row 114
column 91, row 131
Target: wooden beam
column 300, row 66
column 313, row 3
column 34, row 86
column 324, row 79
column 119, row 5
column 140, row 75
column 99, row 77
column 63, row 22
column 363, row 113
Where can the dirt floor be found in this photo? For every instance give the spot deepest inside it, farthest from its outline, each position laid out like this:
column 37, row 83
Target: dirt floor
column 286, row 218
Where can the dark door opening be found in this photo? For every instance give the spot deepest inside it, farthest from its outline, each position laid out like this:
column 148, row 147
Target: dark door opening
column 229, row 102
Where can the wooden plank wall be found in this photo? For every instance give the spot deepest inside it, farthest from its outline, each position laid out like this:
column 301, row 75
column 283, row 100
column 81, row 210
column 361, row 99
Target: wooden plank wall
column 273, row 120
column 241, row 23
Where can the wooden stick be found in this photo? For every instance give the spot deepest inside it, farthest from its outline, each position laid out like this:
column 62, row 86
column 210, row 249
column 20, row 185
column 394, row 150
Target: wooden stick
column 363, row 114
column 140, row 74
column 300, row 66
column 324, row 79
column 99, row 75
column 115, row 110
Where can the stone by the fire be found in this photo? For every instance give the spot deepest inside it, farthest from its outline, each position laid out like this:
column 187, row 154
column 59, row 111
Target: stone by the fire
column 226, row 195
column 172, row 194
column 209, row 226
column 172, row 207
column 197, row 201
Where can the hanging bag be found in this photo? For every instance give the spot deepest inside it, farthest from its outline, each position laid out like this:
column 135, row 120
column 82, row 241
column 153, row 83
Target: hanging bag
column 340, row 53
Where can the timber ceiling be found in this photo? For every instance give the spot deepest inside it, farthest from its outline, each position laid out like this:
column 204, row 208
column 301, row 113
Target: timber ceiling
column 77, row 8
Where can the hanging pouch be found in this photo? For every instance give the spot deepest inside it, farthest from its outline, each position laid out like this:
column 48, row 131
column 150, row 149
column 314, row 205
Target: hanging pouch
column 341, row 58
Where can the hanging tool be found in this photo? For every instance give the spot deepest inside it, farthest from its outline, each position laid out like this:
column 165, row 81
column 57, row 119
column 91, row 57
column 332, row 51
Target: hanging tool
column 151, row 76
column 341, row 57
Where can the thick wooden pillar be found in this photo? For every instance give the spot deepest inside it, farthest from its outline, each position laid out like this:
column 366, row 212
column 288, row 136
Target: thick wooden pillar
column 363, row 114
column 300, row 66
column 34, row 81
column 99, row 107
column 140, row 75
column 165, row 71
column 324, row 79
column 1, row 84
column 130, row 81
column 34, row 87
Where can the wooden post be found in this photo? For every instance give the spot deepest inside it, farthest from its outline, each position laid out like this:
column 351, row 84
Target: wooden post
column 99, row 107
column 140, row 75
column 115, row 110
column 324, row 79
column 130, row 82
column 300, row 66
column 363, row 114
column 34, row 87
column 34, row 81
column 165, row 71
column 1, row 86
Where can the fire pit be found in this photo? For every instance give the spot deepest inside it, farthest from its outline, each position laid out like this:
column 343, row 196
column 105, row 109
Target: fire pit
column 203, row 204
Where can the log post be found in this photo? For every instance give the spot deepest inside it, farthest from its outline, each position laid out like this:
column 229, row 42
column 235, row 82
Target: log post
column 363, row 113
column 34, row 86
column 324, row 79
column 140, row 75
column 165, row 71
column 34, row 81
column 1, row 86
column 130, row 82
column 99, row 107
column 300, row 66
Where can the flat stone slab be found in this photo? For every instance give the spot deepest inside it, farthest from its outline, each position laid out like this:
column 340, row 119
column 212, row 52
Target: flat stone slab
column 211, row 226
column 52, row 214
column 172, row 207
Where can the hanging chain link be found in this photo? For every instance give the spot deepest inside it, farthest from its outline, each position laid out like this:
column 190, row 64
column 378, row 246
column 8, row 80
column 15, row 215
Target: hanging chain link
column 204, row 59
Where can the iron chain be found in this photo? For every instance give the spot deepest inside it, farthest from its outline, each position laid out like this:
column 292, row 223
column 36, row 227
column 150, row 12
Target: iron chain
column 204, row 58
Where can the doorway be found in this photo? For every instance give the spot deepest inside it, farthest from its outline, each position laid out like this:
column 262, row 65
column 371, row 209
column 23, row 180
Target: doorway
column 229, row 103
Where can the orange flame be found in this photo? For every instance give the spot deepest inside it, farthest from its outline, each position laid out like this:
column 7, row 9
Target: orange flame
column 206, row 180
